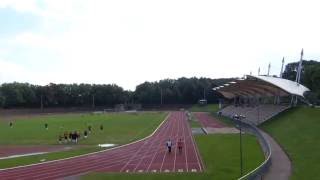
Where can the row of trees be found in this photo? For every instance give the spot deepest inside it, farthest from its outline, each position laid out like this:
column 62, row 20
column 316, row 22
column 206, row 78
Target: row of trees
column 60, row 95
column 178, row 91
column 310, row 77
column 169, row 91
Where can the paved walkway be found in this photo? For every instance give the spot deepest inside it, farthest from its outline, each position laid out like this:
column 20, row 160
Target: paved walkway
column 281, row 164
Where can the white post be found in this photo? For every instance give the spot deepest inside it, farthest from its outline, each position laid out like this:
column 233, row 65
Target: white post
column 299, row 68
column 281, row 72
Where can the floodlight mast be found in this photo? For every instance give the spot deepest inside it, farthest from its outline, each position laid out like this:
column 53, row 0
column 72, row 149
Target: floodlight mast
column 299, row 68
column 41, row 103
column 281, row 72
column 161, row 100
column 298, row 76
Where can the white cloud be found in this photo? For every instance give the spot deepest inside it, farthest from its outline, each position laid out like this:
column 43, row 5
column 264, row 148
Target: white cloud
column 128, row 42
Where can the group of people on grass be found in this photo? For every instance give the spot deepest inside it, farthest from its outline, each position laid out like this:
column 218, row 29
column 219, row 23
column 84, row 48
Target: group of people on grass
column 74, row 136
column 69, row 137
column 169, row 145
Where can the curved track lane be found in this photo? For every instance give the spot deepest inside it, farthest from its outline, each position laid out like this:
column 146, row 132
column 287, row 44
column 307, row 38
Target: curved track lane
column 148, row 155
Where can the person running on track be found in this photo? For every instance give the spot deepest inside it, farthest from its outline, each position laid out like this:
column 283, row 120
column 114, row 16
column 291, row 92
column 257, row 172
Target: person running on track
column 169, row 145
column 180, row 144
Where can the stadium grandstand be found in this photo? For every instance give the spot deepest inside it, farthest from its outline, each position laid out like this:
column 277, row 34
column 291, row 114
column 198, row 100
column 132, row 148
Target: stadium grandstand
column 260, row 97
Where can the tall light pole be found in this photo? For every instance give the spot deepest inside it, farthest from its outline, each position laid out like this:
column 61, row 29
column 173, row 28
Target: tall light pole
column 281, row 72
column 93, row 103
column 240, row 117
column 298, row 76
column 299, row 68
column 161, row 96
column 41, row 103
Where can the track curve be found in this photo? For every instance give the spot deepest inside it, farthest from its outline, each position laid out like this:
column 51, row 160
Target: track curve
column 148, row 155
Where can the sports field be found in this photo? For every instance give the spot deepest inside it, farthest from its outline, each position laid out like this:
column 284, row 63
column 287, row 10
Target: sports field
column 297, row 131
column 220, row 156
column 118, row 128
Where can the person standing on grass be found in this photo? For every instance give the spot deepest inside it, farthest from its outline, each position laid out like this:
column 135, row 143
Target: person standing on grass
column 46, row 126
column 11, row 124
column 89, row 129
column 70, row 136
column 85, row 134
column 60, row 139
column 65, row 136
column 180, row 144
column 169, row 145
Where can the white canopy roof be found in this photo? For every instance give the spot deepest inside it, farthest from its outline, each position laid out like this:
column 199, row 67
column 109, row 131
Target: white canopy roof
column 262, row 86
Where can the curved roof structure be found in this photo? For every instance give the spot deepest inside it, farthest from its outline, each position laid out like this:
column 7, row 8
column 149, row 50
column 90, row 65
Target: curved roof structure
column 257, row 86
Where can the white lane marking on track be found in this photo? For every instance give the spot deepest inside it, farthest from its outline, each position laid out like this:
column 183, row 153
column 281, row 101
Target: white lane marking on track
column 175, row 149
column 149, row 149
column 185, row 140
column 117, row 147
column 195, row 148
column 159, row 145
column 92, row 155
column 172, row 128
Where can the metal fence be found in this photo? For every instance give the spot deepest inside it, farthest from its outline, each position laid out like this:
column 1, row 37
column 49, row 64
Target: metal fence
column 258, row 172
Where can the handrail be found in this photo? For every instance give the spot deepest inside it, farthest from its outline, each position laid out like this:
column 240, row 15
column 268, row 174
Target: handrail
column 258, row 171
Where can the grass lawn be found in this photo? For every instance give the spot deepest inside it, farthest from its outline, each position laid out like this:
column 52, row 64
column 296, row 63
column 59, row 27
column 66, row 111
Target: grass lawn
column 6, row 163
column 221, row 157
column 205, row 108
column 118, row 128
column 297, row 130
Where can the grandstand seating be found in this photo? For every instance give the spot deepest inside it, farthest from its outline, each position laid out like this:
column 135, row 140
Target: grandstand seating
column 255, row 115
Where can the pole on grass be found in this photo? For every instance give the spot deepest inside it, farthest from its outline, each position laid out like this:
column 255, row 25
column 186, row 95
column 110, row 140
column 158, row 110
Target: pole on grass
column 41, row 103
column 161, row 96
column 241, row 164
column 93, row 104
column 237, row 118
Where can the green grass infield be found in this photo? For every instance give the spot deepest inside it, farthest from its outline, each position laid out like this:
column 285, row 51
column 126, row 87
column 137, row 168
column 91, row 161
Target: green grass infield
column 298, row 132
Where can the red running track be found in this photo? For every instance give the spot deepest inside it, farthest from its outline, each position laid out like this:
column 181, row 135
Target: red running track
column 208, row 121
column 148, row 155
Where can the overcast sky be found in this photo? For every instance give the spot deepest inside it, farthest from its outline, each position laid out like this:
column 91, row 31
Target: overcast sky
column 129, row 42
